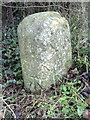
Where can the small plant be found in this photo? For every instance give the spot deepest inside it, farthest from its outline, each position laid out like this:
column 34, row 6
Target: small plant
column 82, row 62
column 69, row 104
column 73, row 103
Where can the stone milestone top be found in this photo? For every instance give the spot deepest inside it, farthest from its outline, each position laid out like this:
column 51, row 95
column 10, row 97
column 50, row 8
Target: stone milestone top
column 45, row 49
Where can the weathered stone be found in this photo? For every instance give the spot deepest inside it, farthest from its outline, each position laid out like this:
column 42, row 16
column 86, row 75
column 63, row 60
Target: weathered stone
column 45, row 49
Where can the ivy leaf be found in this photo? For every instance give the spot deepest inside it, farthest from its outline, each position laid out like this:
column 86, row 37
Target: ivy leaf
column 80, row 109
column 64, row 88
column 65, row 111
column 11, row 81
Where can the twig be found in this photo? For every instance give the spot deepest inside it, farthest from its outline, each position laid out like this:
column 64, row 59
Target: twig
column 8, row 107
column 4, row 112
column 23, row 7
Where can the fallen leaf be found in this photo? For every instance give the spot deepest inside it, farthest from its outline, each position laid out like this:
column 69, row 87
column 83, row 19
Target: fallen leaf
column 74, row 71
column 86, row 114
column 88, row 100
column 1, row 115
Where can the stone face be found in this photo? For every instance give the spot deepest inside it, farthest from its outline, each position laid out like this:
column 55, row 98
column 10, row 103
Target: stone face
column 45, row 49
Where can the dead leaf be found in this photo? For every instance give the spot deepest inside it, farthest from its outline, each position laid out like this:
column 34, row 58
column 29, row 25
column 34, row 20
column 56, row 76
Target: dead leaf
column 74, row 71
column 88, row 100
column 86, row 114
column 1, row 115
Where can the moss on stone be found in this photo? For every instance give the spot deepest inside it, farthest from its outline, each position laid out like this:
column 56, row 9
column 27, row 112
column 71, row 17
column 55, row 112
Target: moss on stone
column 45, row 49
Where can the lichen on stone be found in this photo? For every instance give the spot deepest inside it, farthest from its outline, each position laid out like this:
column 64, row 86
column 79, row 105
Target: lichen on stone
column 45, row 49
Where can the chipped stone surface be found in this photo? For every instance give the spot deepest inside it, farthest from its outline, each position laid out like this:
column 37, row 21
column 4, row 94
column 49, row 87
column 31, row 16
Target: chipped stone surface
column 45, row 49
